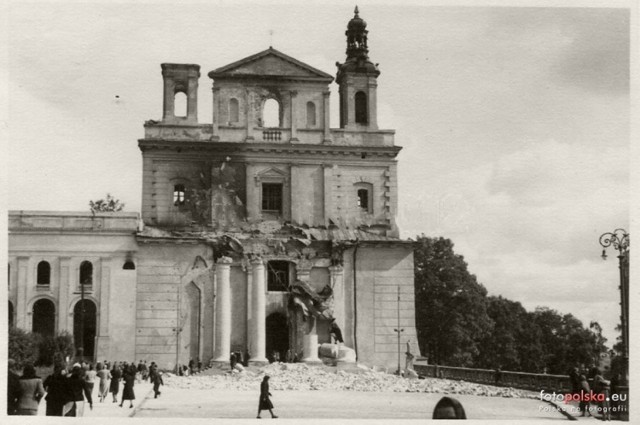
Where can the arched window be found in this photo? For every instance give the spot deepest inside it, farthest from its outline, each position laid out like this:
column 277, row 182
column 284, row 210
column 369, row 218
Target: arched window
column 44, row 273
column 234, row 110
column 271, row 113
column 178, row 194
column 361, row 108
column 180, row 104
column 86, row 273
column 363, row 199
column 311, row 114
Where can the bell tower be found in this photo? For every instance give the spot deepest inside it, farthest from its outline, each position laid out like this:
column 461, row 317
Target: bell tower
column 180, row 80
column 357, row 80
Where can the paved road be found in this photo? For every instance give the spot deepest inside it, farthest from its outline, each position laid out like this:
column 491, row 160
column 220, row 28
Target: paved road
column 191, row 403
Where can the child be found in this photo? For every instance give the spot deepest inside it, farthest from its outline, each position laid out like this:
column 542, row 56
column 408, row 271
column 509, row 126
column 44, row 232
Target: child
column 157, row 381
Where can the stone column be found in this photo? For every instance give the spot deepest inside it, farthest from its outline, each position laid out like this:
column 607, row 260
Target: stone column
column 310, row 339
column 337, row 282
column 292, row 96
column 327, row 170
column 257, row 334
column 223, row 311
column 215, row 135
column 326, row 116
column 22, row 284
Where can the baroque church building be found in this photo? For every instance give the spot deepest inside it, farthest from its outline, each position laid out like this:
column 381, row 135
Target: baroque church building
column 259, row 232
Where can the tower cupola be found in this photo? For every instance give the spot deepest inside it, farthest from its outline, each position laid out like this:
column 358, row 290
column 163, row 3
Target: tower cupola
column 357, row 80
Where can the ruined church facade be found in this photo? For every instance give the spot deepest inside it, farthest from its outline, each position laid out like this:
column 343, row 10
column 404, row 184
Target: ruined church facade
column 258, row 230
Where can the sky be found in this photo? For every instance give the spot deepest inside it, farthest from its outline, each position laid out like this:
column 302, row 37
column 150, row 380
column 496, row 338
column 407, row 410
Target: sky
column 514, row 121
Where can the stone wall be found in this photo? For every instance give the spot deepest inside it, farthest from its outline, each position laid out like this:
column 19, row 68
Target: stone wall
column 380, row 271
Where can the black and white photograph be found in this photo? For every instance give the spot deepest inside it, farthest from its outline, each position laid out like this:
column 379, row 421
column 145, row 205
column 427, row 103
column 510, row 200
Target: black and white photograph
column 318, row 210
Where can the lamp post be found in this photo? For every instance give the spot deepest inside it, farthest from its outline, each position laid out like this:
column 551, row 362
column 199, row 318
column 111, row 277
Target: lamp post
column 619, row 240
column 399, row 331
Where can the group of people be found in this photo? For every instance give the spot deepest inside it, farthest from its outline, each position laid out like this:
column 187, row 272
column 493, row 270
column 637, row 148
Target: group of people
column 599, row 385
column 68, row 390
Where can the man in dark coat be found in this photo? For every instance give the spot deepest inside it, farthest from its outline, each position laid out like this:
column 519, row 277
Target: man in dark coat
column 13, row 388
column 265, row 402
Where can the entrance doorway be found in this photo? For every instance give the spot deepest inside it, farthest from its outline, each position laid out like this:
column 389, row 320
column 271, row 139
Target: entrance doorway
column 84, row 328
column 277, row 336
column 44, row 318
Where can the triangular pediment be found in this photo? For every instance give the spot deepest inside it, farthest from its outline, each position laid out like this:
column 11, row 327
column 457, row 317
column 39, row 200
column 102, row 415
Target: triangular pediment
column 271, row 63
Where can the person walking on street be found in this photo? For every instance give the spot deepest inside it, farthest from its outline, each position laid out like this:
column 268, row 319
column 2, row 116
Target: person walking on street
column 116, row 375
column 157, row 381
column 76, row 391
column 265, row 402
column 129, row 376
column 56, row 387
column 103, row 386
column 31, row 391
column 90, row 380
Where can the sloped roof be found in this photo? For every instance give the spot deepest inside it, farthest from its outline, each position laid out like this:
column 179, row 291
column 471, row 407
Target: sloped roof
column 271, row 63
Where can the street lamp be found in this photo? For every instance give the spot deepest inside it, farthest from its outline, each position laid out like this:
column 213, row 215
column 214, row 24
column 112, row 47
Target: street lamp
column 619, row 240
column 399, row 331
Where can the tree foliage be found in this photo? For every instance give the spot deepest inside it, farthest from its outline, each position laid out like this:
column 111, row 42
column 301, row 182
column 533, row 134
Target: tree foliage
column 459, row 325
column 109, row 204
column 451, row 311
column 23, row 347
column 54, row 349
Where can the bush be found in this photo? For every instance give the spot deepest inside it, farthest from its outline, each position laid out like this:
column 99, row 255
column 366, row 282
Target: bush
column 54, row 350
column 23, row 347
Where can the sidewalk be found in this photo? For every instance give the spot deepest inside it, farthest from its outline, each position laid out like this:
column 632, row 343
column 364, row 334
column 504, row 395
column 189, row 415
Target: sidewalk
column 108, row 408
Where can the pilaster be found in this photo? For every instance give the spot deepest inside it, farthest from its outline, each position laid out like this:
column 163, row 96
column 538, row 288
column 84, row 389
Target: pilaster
column 326, row 117
column 292, row 107
column 22, row 289
column 215, row 135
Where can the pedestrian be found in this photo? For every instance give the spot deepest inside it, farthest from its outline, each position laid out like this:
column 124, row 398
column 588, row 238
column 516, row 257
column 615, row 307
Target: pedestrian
column 31, row 392
column 13, row 387
column 90, row 380
column 153, row 369
column 265, row 402
column 602, row 386
column 129, row 376
column 449, row 408
column 200, row 363
column 409, row 357
column 103, row 386
column 56, row 387
column 76, row 391
column 191, row 365
column 584, row 386
column 157, row 381
column 145, row 371
column 114, row 387
column 232, row 360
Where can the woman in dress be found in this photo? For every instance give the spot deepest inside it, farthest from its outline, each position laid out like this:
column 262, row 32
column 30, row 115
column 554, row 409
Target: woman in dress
column 129, row 376
column 104, row 376
column 76, row 391
column 114, row 388
column 31, row 391
column 90, row 379
column 265, row 402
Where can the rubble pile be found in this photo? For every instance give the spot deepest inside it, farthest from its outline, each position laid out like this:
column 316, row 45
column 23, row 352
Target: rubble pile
column 300, row 377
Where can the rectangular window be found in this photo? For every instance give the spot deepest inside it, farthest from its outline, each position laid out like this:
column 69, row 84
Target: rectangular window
column 272, row 197
column 277, row 276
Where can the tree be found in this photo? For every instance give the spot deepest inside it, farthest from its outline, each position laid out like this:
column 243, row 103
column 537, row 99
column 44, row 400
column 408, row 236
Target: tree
column 23, row 347
column 110, row 204
column 451, row 315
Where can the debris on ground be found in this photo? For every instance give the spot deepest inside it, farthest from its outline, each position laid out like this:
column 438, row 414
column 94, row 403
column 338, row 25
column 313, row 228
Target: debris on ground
column 301, row 377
